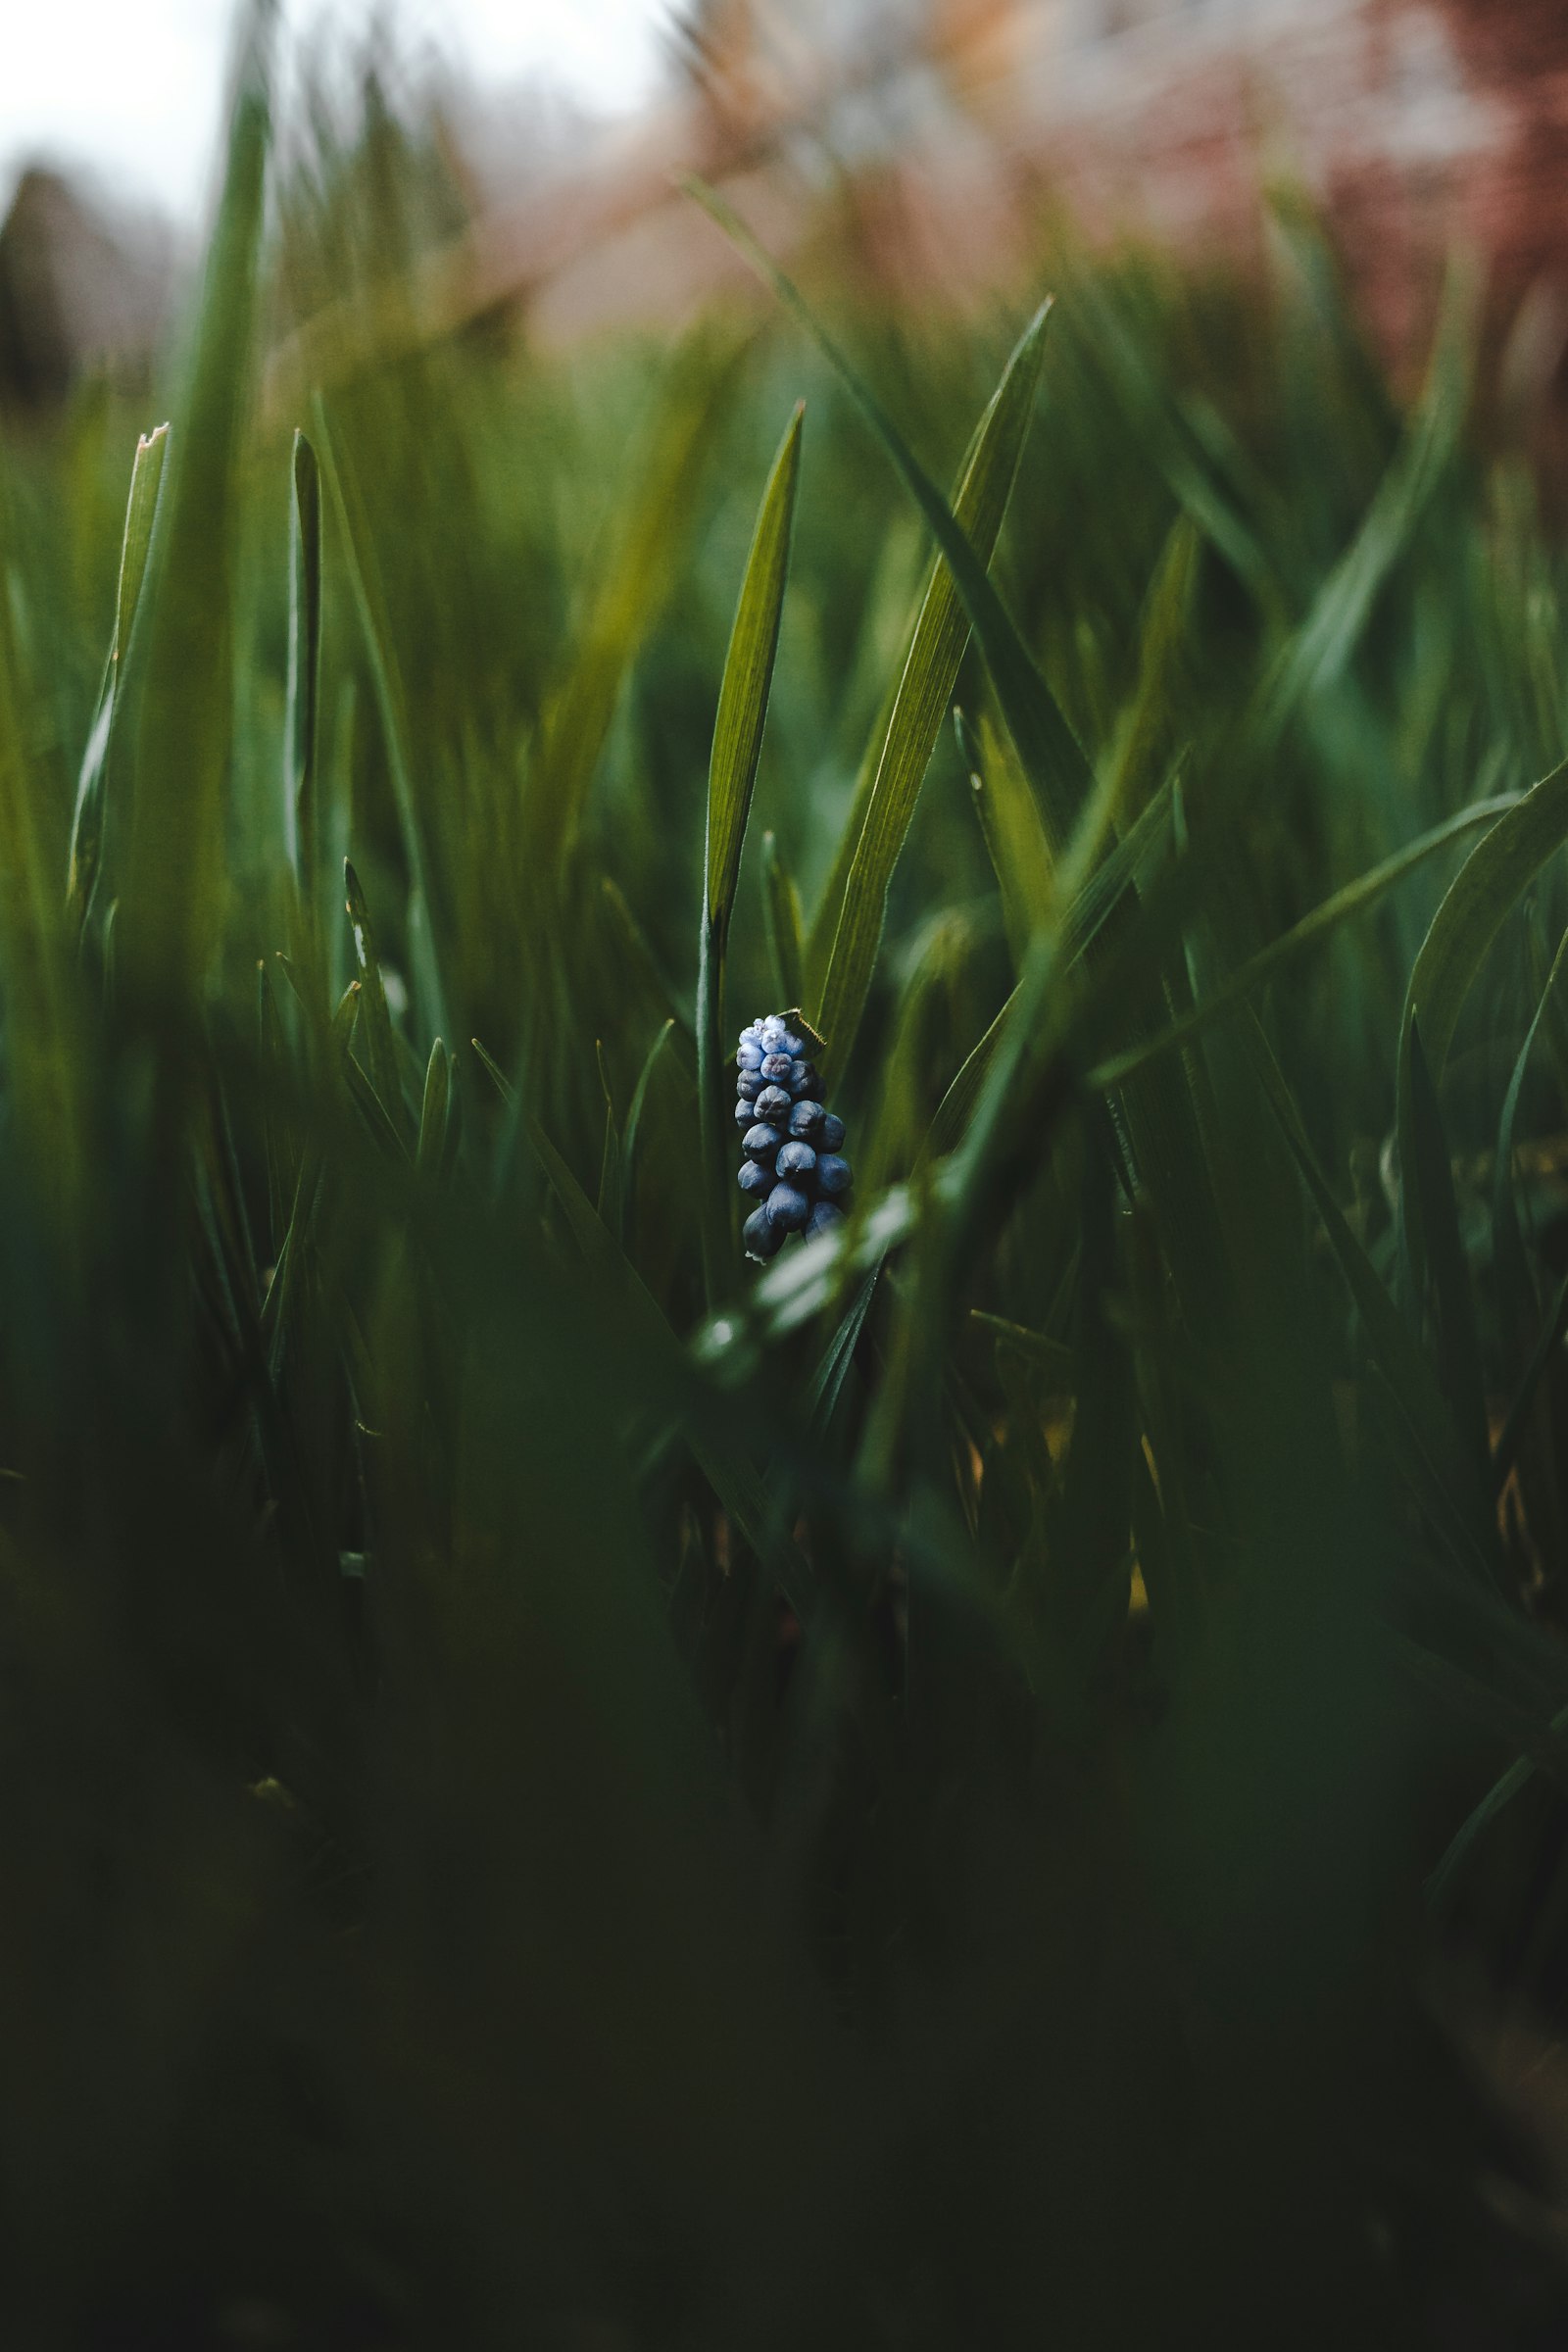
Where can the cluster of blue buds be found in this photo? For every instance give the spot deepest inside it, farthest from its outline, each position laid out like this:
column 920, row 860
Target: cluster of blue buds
column 793, row 1169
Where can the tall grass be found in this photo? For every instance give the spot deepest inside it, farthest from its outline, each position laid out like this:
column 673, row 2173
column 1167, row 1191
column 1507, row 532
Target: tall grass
column 1001, row 1779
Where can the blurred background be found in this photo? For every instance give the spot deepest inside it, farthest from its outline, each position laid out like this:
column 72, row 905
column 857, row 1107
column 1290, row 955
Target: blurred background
column 1410, row 124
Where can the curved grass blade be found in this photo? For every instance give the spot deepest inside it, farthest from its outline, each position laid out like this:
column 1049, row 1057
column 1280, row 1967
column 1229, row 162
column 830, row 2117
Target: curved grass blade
column 1354, row 898
column 1500, row 1795
column 742, row 713
column 1159, row 423
column 1508, row 1242
column 1052, row 756
column 369, row 605
column 747, row 677
column 304, row 677
column 87, row 821
column 1487, row 885
column 1320, row 649
column 1085, row 920
column 930, row 672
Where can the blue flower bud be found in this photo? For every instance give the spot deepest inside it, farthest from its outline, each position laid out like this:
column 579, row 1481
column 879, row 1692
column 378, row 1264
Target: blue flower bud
column 792, row 1166
column 762, row 1238
column 788, row 1208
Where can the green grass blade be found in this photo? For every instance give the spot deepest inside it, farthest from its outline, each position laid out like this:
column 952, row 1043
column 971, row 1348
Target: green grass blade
column 1487, row 885
column 170, row 909
column 1010, row 828
column 370, row 606
column 299, row 816
column 636, row 578
column 1499, row 1796
column 742, row 713
column 930, row 672
column 493, row 1071
column 1053, row 758
column 1354, row 898
column 1320, row 649
column 1508, row 1242
column 748, row 678
column 1083, row 922
column 435, row 1112
column 87, row 821
column 827, row 1382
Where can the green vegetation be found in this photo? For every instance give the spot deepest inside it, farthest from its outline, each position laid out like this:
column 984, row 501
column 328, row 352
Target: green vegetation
column 1000, row 1780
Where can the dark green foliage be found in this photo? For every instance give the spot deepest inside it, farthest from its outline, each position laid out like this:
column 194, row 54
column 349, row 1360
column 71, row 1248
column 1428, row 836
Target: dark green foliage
column 1001, row 1781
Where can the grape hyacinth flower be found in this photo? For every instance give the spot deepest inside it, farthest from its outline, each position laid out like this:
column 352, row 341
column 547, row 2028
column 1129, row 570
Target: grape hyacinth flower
column 794, row 1168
